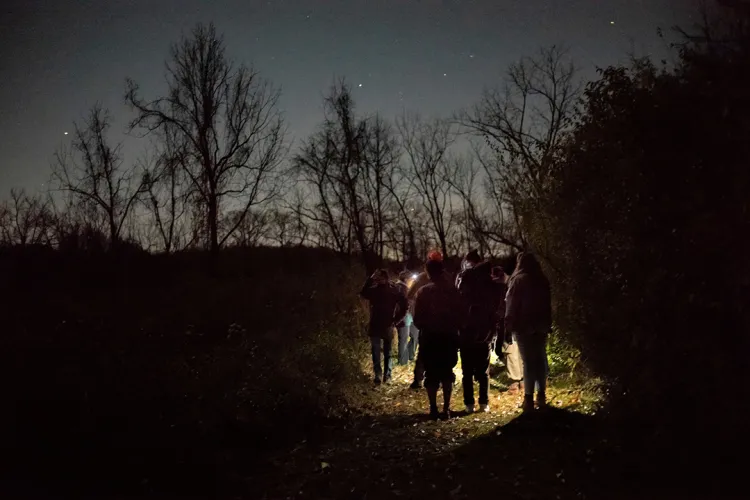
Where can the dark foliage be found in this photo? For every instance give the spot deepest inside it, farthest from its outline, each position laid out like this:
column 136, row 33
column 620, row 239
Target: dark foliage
column 124, row 370
column 649, row 205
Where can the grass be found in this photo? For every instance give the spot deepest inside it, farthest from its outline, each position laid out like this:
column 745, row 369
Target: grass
column 388, row 448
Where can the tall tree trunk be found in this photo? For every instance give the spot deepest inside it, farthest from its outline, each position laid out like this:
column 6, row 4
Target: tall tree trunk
column 213, row 229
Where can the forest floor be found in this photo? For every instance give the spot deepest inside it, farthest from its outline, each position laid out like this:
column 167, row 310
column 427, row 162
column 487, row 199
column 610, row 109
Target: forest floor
column 390, row 449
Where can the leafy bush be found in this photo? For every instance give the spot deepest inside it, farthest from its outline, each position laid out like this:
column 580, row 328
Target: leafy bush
column 564, row 358
column 653, row 185
column 152, row 362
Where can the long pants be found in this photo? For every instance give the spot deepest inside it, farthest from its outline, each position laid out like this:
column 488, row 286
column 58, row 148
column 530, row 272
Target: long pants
column 419, row 362
column 475, row 364
column 381, row 346
column 439, row 357
column 533, row 348
column 408, row 337
column 513, row 361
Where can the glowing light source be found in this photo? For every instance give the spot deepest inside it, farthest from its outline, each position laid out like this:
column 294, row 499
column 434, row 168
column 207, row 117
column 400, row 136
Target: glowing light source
column 612, row 22
column 65, row 133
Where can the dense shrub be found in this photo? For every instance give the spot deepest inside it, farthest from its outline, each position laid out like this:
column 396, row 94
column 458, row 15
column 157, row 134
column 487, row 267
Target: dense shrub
column 646, row 207
column 152, row 361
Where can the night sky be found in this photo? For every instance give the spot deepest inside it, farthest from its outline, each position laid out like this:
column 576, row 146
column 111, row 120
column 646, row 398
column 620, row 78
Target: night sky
column 58, row 57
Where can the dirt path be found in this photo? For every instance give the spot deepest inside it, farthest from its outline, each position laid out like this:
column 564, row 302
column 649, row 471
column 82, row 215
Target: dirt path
column 390, row 449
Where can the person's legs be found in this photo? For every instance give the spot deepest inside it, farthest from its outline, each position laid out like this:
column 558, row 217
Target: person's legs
column 467, row 368
column 413, row 340
column 543, row 364
column 482, row 374
column 376, row 346
column 419, row 369
column 387, row 347
column 403, row 338
column 514, row 365
column 448, row 360
column 533, row 347
column 432, row 380
column 528, row 356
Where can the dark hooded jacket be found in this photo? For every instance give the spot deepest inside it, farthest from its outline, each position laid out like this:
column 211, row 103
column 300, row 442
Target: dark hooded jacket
column 388, row 306
column 439, row 308
column 528, row 304
column 421, row 280
column 483, row 296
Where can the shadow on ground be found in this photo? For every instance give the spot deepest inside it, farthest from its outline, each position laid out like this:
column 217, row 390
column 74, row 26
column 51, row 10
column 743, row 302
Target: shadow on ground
column 557, row 454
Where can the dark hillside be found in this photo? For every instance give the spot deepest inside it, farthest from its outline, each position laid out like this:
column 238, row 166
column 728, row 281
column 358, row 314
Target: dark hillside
column 119, row 372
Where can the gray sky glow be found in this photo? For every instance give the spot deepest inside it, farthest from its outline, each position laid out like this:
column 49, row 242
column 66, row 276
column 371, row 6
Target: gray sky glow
column 58, row 57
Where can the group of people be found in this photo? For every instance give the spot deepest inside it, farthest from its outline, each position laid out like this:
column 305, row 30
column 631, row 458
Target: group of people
column 438, row 318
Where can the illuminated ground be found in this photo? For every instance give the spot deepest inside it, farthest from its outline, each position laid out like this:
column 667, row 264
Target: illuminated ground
column 388, row 448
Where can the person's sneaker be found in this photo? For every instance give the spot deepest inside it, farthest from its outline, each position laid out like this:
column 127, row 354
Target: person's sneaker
column 541, row 401
column 469, row 409
column 528, row 404
column 378, row 381
column 434, row 414
column 484, row 408
column 446, row 415
column 387, row 380
column 514, row 388
column 416, row 385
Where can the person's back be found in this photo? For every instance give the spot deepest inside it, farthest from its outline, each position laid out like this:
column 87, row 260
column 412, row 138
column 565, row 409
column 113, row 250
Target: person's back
column 528, row 315
column 483, row 297
column 439, row 307
column 387, row 304
column 528, row 302
column 387, row 307
column 439, row 314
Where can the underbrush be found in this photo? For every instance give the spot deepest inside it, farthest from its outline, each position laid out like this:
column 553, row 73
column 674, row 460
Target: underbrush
column 141, row 373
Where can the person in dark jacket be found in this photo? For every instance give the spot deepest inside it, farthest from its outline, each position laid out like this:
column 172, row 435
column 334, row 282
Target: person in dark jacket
column 482, row 296
column 439, row 314
column 420, row 281
column 528, row 315
column 388, row 306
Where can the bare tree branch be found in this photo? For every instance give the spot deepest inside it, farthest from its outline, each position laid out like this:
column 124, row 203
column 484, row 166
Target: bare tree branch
column 227, row 121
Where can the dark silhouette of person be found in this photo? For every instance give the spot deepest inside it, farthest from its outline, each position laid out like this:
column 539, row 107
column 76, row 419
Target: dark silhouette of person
column 421, row 280
column 482, row 296
column 388, row 306
column 408, row 334
column 528, row 315
column 439, row 314
column 505, row 348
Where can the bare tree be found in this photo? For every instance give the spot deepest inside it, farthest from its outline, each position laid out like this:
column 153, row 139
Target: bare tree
column 380, row 160
column 92, row 171
column 252, row 230
column 487, row 218
column 346, row 164
column 167, row 192
column 25, row 220
column 287, row 227
column 525, row 123
column 227, row 119
column 426, row 144
column 403, row 233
